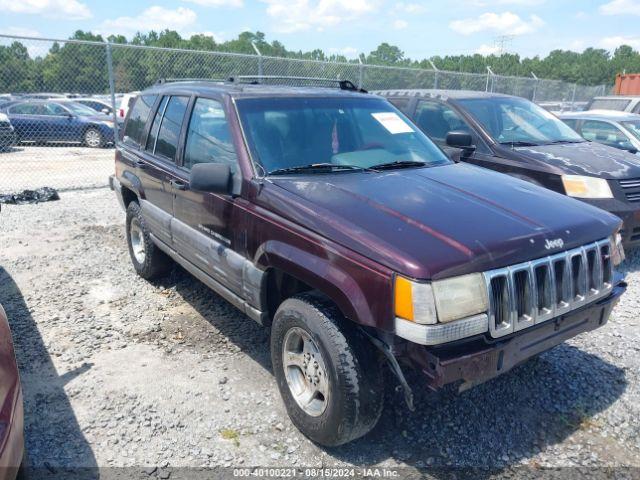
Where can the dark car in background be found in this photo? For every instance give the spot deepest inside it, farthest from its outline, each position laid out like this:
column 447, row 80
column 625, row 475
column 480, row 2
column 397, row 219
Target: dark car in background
column 62, row 121
column 12, row 412
column 7, row 132
column 326, row 215
column 515, row 136
column 614, row 129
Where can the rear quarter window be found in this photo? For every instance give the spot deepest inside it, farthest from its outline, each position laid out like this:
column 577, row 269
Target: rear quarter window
column 609, row 104
column 138, row 116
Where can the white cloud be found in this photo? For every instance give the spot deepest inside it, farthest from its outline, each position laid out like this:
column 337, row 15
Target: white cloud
column 506, row 23
column 400, row 24
column 155, row 18
column 349, row 52
column 621, row 7
column 66, row 9
column 300, row 15
column 577, row 46
column 611, row 43
column 413, row 8
column 494, row 3
column 485, row 49
column 218, row 3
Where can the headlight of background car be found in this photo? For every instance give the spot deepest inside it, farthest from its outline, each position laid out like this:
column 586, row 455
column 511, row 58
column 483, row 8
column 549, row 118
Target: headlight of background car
column 586, row 187
column 441, row 300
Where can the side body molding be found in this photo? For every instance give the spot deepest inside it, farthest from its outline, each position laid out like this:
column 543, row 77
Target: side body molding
column 219, row 267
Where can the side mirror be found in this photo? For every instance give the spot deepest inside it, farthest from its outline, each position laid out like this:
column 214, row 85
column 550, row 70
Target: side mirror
column 459, row 139
column 628, row 146
column 106, row 111
column 211, row 177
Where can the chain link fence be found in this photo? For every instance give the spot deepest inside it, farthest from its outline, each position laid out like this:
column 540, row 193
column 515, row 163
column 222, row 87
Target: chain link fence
column 62, row 101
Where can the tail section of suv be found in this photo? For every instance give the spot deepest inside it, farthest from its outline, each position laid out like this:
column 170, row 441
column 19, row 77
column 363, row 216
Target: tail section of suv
column 514, row 136
column 327, row 216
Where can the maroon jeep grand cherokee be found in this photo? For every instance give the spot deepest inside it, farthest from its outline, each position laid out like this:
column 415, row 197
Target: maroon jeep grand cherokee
column 326, row 215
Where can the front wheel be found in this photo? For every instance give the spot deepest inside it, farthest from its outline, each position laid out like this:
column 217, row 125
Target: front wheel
column 93, row 138
column 328, row 373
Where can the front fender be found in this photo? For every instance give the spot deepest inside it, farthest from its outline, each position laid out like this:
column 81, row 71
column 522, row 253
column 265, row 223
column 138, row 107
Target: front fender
column 362, row 295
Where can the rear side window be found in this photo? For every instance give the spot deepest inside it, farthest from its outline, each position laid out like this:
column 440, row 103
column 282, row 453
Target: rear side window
column 155, row 128
column 437, row 119
column 27, row 109
column 572, row 122
column 609, row 104
column 209, row 137
column 167, row 142
column 603, row 132
column 401, row 104
column 138, row 117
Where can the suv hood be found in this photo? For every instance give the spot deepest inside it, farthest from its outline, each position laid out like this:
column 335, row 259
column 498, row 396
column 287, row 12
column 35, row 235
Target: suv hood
column 430, row 223
column 585, row 158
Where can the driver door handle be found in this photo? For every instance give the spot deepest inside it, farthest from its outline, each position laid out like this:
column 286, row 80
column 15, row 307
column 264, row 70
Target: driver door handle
column 178, row 185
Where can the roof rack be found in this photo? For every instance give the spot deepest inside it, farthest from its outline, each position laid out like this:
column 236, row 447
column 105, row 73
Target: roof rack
column 308, row 81
column 160, row 81
column 276, row 79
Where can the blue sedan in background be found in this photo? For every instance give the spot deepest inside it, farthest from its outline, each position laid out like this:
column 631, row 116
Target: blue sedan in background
column 43, row 121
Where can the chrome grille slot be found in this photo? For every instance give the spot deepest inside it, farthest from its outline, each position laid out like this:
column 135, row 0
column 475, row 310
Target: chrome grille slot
column 500, row 303
column 544, row 290
column 561, row 270
column 578, row 278
column 533, row 292
column 523, row 295
column 631, row 189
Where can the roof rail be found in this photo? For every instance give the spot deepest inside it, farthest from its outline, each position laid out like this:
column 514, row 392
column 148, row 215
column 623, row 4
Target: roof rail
column 308, row 81
column 160, row 81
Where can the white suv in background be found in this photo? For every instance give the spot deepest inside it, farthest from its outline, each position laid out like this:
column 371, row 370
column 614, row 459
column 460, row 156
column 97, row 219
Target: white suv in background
column 125, row 103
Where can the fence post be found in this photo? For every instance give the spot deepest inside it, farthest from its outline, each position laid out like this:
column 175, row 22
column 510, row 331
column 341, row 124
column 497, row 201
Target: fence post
column 535, row 86
column 112, row 91
column 573, row 96
column 435, row 75
column 490, row 75
column 255, row 48
column 360, row 72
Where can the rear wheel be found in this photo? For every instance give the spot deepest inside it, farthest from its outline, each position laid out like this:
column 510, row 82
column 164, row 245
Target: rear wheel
column 328, row 373
column 148, row 260
column 93, row 138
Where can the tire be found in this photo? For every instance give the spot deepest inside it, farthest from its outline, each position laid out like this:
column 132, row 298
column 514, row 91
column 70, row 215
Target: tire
column 351, row 365
column 23, row 470
column 93, row 138
column 148, row 260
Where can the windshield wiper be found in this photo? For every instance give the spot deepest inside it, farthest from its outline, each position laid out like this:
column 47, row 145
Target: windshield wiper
column 397, row 164
column 521, row 143
column 557, row 142
column 314, row 167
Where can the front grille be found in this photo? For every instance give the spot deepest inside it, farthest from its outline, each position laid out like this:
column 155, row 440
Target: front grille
column 631, row 189
column 532, row 292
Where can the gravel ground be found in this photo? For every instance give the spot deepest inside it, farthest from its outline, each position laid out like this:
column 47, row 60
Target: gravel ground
column 55, row 165
column 121, row 372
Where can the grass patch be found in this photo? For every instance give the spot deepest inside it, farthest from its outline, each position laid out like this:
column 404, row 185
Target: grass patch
column 231, row 434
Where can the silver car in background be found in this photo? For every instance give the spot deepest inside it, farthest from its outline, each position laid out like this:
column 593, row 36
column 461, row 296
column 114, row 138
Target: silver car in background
column 615, row 129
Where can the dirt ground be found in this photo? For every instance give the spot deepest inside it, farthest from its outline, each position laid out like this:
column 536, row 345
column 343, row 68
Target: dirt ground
column 118, row 371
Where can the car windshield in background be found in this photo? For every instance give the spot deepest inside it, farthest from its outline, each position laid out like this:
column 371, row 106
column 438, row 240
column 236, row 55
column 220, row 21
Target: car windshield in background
column 79, row 109
column 517, row 121
column 633, row 127
column 287, row 134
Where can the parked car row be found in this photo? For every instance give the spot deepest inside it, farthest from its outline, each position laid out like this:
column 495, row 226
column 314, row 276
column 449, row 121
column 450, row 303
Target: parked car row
column 330, row 217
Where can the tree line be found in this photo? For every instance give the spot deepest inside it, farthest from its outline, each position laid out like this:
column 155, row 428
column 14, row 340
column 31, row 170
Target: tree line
column 72, row 67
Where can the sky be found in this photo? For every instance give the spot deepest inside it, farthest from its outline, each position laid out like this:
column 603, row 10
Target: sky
column 420, row 28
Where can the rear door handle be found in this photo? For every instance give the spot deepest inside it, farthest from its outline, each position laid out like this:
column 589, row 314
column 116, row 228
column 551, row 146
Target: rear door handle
column 140, row 163
column 178, row 185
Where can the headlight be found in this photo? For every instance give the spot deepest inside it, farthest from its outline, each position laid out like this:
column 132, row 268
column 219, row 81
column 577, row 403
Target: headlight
column 441, row 300
column 586, row 187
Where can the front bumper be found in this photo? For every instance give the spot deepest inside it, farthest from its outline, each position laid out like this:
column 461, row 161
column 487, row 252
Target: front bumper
column 628, row 212
column 475, row 362
column 8, row 138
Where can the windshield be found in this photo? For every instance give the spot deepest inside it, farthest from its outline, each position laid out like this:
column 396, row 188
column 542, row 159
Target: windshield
column 633, row 127
column 80, row 109
column 516, row 120
column 292, row 132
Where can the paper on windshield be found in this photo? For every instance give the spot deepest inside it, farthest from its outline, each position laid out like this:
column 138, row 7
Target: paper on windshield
column 392, row 122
